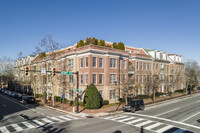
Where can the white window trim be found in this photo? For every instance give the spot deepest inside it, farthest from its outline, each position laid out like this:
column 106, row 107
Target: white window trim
column 115, row 63
column 99, row 62
column 86, row 63
column 93, row 62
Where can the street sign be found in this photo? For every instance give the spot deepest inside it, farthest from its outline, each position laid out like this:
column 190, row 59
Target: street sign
column 76, row 89
column 43, row 71
column 66, row 73
column 63, row 96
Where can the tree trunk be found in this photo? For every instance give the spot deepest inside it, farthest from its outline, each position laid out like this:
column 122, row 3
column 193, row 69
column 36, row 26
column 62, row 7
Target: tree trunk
column 154, row 95
column 126, row 98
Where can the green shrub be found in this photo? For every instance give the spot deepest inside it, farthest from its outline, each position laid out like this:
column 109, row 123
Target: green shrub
column 71, row 102
column 142, row 96
column 179, row 91
column 39, row 96
column 160, row 93
column 65, row 100
column 105, row 102
column 57, row 98
column 122, row 100
column 92, row 99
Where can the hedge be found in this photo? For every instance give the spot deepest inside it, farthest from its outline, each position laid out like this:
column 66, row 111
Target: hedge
column 179, row 91
column 39, row 96
column 142, row 96
column 105, row 102
column 160, row 93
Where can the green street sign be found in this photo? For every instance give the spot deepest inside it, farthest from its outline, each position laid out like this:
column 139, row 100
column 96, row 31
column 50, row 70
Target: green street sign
column 76, row 89
column 66, row 73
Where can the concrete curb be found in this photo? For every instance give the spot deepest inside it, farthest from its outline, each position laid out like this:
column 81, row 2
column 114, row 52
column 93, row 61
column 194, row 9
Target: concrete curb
column 90, row 115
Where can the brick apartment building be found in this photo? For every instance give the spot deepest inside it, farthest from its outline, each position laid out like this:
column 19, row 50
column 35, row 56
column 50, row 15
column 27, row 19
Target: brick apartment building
column 101, row 66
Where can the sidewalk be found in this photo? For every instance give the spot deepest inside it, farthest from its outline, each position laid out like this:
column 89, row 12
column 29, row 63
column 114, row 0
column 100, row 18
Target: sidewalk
column 110, row 110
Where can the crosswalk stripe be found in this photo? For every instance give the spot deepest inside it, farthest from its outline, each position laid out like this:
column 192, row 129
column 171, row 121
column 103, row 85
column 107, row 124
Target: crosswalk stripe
column 16, row 127
column 112, row 117
column 126, row 119
column 71, row 117
column 153, row 126
column 64, row 118
column 134, row 121
column 143, row 123
column 47, row 120
column 38, row 122
column 164, row 129
column 179, row 131
column 28, row 124
column 118, row 118
column 54, row 118
column 4, row 130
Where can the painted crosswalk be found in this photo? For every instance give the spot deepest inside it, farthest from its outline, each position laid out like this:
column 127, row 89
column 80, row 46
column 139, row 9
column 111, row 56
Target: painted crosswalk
column 146, row 124
column 18, row 127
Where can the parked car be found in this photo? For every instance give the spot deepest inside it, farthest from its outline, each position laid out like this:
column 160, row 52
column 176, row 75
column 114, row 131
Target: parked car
column 29, row 99
column 10, row 93
column 19, row 96
column 133, row 105
column 14, row 95
column 198, row 88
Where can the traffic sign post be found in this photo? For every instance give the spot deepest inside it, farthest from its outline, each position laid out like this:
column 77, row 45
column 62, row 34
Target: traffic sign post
column 43, row 71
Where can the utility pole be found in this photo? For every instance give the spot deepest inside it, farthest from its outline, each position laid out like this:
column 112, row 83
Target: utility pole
column 77, row 104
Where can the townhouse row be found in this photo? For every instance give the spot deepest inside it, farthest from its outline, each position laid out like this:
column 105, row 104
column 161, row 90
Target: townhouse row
column 105, row 67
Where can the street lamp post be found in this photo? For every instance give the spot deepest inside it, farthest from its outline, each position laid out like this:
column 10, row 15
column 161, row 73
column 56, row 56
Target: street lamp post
column 115, row 94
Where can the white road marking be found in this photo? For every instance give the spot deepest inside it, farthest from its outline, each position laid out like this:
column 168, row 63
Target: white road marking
column 177, row 122
column 4, row 130
column 118, row 117
column 38, row 122
column 143, row 123
column 167, row 112
column 111, row 117
column 71, row 117
column 64, row 118
column 47, row 120
column 179, row 131
column 134, row 121
column 198, row 101
column 54, row 118
column 28, row 124
column 153, row 126
column 16, row 127
column 126, row 119
column 164, row 129
column 190, row 117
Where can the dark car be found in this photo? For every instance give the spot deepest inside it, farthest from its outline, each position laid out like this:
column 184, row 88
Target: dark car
column 29, row 99
column 19, row 96
column 198, row 88
column 133, row 105
column 14, row 95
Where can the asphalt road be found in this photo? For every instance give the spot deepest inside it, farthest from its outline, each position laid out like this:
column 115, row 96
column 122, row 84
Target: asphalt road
column 175, row 116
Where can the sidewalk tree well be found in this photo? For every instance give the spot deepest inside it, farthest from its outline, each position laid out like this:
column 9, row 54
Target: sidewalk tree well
column 92, row 99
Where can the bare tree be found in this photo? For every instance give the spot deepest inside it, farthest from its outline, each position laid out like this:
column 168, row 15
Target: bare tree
column 192, row 71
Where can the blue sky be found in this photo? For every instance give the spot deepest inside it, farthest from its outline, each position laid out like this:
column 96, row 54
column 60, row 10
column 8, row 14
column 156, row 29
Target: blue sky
column 169, row 25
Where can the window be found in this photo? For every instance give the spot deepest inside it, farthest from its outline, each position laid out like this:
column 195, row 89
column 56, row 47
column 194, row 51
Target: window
column 100, row 62
column 86, row 78
column 71, row 79
column 100, row 78
column 148, row 66
column 124, row 64
column 94, row 62
column 86, row 61
column 112, row 63
column 94, row 78
column 141, row 65
column 101, row 93
column 141, row 78
column 58, row 79
column 157, row 67
column 81, row 78
column 71, row 63
column 112, row 78
column 63, row 65
column 145, row 78
column 145, row 66
column 137, row 65
column 112, row 94
column 153, row 66
column 137, row 78
column 81, row 62
column 70, row 94
column 124, row 78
